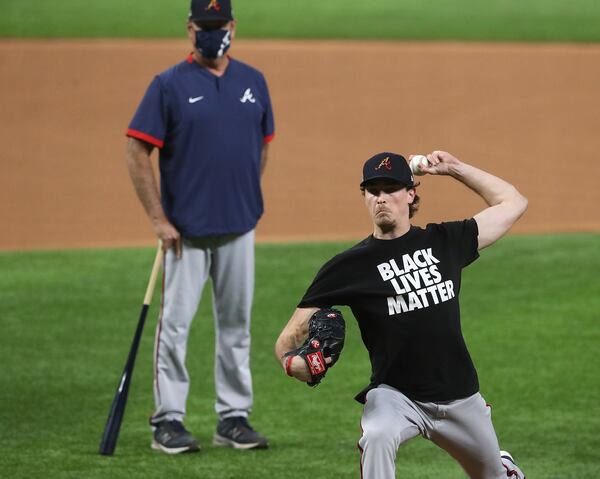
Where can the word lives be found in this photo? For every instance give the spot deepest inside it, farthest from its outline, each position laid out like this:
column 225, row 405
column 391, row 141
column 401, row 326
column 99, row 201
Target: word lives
column 417, row 282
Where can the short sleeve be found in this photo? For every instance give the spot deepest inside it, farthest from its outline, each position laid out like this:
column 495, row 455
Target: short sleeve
column 462, row 237
column 329, row 288
column 150, row 119
column 268, row 122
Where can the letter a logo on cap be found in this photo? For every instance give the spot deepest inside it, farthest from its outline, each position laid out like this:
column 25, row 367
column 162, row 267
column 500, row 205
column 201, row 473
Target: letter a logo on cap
column 385, row 163
column 213, row 4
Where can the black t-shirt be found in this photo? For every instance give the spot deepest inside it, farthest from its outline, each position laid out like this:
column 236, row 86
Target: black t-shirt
column 404, row 295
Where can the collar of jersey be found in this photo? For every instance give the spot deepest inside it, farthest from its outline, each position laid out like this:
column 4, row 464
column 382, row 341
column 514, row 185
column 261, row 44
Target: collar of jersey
column 392, row 241
column 199, row 68
column 191, row 61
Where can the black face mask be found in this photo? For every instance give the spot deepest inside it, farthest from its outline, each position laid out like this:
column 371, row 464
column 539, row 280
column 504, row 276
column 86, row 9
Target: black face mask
column 213, row 43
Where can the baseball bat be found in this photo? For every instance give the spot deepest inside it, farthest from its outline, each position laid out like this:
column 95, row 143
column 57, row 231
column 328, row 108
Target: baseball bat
column 117, row 408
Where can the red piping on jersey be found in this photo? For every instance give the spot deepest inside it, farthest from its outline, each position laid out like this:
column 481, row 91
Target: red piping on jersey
column 268, row 139
column 144, row 137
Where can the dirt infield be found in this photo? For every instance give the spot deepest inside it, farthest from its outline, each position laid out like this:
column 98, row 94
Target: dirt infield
column 528, row 113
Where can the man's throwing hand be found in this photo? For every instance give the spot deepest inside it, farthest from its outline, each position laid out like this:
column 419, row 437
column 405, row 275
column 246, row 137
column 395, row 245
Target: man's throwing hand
column 440, row 163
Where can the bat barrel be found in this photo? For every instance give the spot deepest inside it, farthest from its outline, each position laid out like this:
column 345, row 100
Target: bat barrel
column 117, row 408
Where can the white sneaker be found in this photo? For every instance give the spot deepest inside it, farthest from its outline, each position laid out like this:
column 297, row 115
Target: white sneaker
column 512, row 470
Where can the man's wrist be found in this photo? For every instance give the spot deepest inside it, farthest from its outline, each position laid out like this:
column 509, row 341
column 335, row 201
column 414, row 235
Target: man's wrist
column 287, row 365
column 457, row 170
column 158, row 219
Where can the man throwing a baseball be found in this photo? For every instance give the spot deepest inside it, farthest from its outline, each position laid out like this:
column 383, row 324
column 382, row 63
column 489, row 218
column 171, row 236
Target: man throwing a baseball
column 402, row 284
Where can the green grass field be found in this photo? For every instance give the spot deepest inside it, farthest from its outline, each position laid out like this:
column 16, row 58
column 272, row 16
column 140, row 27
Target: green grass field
column 501, row 20
column 531, row 304
column 530, row 315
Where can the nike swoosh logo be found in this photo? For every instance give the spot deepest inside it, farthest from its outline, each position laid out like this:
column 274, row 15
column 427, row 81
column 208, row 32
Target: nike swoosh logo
column 195, row 99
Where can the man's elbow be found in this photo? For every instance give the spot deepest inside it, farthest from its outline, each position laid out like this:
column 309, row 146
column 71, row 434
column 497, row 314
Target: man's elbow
column 279, row 346
column 521, row 203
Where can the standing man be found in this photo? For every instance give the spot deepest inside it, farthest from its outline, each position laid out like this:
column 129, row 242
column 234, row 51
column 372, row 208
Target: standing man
column 212, row 120
column 402, row 284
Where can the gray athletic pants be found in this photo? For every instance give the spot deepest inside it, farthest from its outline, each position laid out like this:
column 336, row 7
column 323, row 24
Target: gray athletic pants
column 463, row 428
column 229, row 261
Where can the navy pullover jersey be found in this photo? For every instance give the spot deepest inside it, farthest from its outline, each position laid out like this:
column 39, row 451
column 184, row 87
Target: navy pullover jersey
column 210, row 131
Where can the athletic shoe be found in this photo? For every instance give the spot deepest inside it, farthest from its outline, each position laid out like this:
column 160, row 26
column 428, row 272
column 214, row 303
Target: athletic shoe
column 171, row 437
column 512, row 470
column 237, row 433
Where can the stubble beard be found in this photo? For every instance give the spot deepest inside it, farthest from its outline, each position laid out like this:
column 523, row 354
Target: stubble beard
column 385, row 223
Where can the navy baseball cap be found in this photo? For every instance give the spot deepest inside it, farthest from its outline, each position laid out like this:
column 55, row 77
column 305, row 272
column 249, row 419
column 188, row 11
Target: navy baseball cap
column 389, row 166
column 211, row 10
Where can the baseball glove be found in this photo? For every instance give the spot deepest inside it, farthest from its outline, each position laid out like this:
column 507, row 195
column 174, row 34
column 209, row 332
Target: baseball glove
column 326, row 333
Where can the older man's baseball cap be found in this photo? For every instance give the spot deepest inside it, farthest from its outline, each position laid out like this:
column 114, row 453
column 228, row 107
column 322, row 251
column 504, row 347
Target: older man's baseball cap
column 389, row 166
column 211, row 10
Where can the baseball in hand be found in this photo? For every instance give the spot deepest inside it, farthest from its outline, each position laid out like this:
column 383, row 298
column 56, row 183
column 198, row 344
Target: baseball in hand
column 417, row 160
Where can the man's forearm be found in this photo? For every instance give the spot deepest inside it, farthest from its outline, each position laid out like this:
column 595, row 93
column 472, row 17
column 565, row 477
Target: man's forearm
column 144, row 181
column 505, row 203
column 492, row 189
column 292, row 336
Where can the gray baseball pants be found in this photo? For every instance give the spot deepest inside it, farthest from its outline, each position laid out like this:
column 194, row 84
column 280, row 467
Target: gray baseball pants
column 228, row 261
column 463, row 428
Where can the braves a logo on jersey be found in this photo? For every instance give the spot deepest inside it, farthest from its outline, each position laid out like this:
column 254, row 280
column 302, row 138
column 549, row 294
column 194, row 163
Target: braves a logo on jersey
column 385, row 163
column 248, row 96
column 213, row 4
